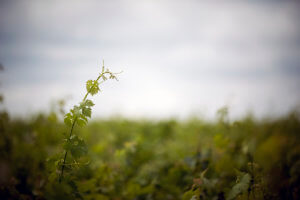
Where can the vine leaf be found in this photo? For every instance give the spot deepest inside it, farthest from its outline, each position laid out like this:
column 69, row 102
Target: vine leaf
column 76, row 146
column 89, row 103
column 68, row 120
column 80, row 114
column 92, row 86
column 87, row 112
column 81, row 122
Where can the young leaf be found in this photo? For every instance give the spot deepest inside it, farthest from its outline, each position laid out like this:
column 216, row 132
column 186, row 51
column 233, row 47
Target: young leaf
column 68, row 120
column 78, row 148
column 92, row 87
column 84, row 118
column 80, row 115
column 89, row 103
column 89, row 84
column 81, row 122
column 87, row 111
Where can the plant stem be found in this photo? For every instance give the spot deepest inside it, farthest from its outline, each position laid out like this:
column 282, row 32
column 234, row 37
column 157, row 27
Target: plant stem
column 71, row 131
column 65, row 157
column 96, row 83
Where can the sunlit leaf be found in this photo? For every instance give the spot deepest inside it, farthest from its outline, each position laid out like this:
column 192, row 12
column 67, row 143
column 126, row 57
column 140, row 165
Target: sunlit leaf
column 89, row 103
column 92, row 87
column 81, row 122
column 87, row 112
column 68, row 120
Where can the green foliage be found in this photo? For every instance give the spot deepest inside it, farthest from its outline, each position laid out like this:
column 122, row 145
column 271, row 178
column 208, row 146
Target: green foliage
column 76, row 146
column 79, row 114
column 68, row 119
column 242, row 185
column 153, row 160
column 92, row 86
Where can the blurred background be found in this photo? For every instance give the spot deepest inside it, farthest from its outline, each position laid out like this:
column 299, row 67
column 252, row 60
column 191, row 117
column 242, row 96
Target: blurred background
column 159, row 132
column 179, row 58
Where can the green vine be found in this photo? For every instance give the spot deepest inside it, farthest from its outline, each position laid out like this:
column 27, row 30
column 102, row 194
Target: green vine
column 79, row 114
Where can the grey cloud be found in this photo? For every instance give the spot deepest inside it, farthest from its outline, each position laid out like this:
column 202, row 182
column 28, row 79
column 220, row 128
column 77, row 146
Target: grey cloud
column 162, row 46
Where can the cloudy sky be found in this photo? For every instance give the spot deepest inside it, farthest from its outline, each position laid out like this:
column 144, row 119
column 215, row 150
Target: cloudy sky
column 179, row 58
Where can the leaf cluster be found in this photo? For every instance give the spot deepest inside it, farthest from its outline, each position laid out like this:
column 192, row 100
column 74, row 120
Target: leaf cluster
column 146, row 159
column 76, row 146
column 79, row 115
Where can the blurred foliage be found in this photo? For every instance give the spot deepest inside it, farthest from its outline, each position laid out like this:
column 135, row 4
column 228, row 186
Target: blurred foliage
column 124, row 159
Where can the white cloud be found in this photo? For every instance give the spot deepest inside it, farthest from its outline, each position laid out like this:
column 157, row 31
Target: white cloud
column 177, row 56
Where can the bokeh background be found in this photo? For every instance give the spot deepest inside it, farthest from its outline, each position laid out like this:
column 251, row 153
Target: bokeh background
column 179, row 58
column 158, row 133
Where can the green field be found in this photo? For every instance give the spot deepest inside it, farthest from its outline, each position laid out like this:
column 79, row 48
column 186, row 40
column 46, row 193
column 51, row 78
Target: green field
column 147, row 159
column 196, row 100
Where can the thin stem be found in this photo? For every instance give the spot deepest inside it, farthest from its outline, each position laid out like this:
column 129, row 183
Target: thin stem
column 86, row 95
column 74, row 122
column 65, row 157
column 71, row 131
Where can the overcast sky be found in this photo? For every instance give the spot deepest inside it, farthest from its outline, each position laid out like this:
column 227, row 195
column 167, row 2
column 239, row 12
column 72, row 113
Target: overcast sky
column 178, row 58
